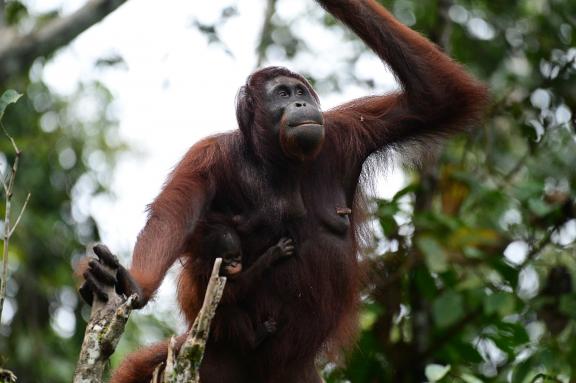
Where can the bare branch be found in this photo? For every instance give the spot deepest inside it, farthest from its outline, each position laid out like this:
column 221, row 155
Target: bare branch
column 18, row 52
column 170, row 359
column 185, row 367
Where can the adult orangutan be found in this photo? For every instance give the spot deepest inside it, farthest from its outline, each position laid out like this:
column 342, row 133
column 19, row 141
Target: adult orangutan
column 291, row 171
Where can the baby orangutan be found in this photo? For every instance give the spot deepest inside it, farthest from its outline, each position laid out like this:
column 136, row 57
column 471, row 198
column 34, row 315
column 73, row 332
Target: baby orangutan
column 221, row 241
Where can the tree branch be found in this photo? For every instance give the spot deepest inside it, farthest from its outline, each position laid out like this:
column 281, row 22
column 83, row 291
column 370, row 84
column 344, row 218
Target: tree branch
column 184, row 366
column 18, row 52
column 265, row 39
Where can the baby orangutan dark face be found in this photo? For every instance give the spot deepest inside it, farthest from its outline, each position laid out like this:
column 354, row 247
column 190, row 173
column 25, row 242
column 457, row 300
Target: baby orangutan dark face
column 221, row 241
column 231, row 253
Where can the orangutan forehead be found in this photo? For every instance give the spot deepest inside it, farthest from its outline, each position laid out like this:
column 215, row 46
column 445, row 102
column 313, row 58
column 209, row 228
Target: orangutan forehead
column 282, row 80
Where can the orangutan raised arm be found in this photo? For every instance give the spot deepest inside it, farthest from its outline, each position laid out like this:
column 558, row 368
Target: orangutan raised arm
column 437, row 97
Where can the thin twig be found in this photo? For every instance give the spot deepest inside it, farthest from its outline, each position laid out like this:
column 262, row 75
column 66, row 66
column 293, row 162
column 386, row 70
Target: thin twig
column 14, row 146
column 20, row 215
column 8, row 228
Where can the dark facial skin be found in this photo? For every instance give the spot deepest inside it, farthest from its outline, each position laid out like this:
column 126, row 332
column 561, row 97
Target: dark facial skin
column 295, row 117
column 228, row 248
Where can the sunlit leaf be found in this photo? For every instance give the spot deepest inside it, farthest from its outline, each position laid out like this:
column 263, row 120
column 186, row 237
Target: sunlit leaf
column 435, row 372
column 8, row 97
column 470, row 378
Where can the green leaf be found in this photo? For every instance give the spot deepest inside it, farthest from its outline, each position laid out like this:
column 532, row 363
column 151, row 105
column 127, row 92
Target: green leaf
column 435, row 372
column 367, row 320
column 388, row 224
column 501, row 302
column 470, row 378
column 508, row 272
column 8, row 97
column 473, row 252
column 539, row 207
column 509, row 336
column 522, row 370
column 471, row 282
column 425, row 282
column 568, row 305
column 407, row 190
column 434, row 253
column 448, row 308
column 369, row 315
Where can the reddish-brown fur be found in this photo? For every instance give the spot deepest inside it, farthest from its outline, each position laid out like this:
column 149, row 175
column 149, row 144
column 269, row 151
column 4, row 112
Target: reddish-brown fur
column 314, row 295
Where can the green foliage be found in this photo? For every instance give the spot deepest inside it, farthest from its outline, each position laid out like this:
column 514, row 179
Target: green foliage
column 67, row 159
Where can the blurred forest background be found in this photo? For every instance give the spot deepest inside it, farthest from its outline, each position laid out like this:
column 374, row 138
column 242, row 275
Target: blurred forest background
column 473, row 262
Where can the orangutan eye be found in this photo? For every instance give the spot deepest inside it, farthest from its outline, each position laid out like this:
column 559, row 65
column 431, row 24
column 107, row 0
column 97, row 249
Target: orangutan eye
column 283, row 93
column 299, row 92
